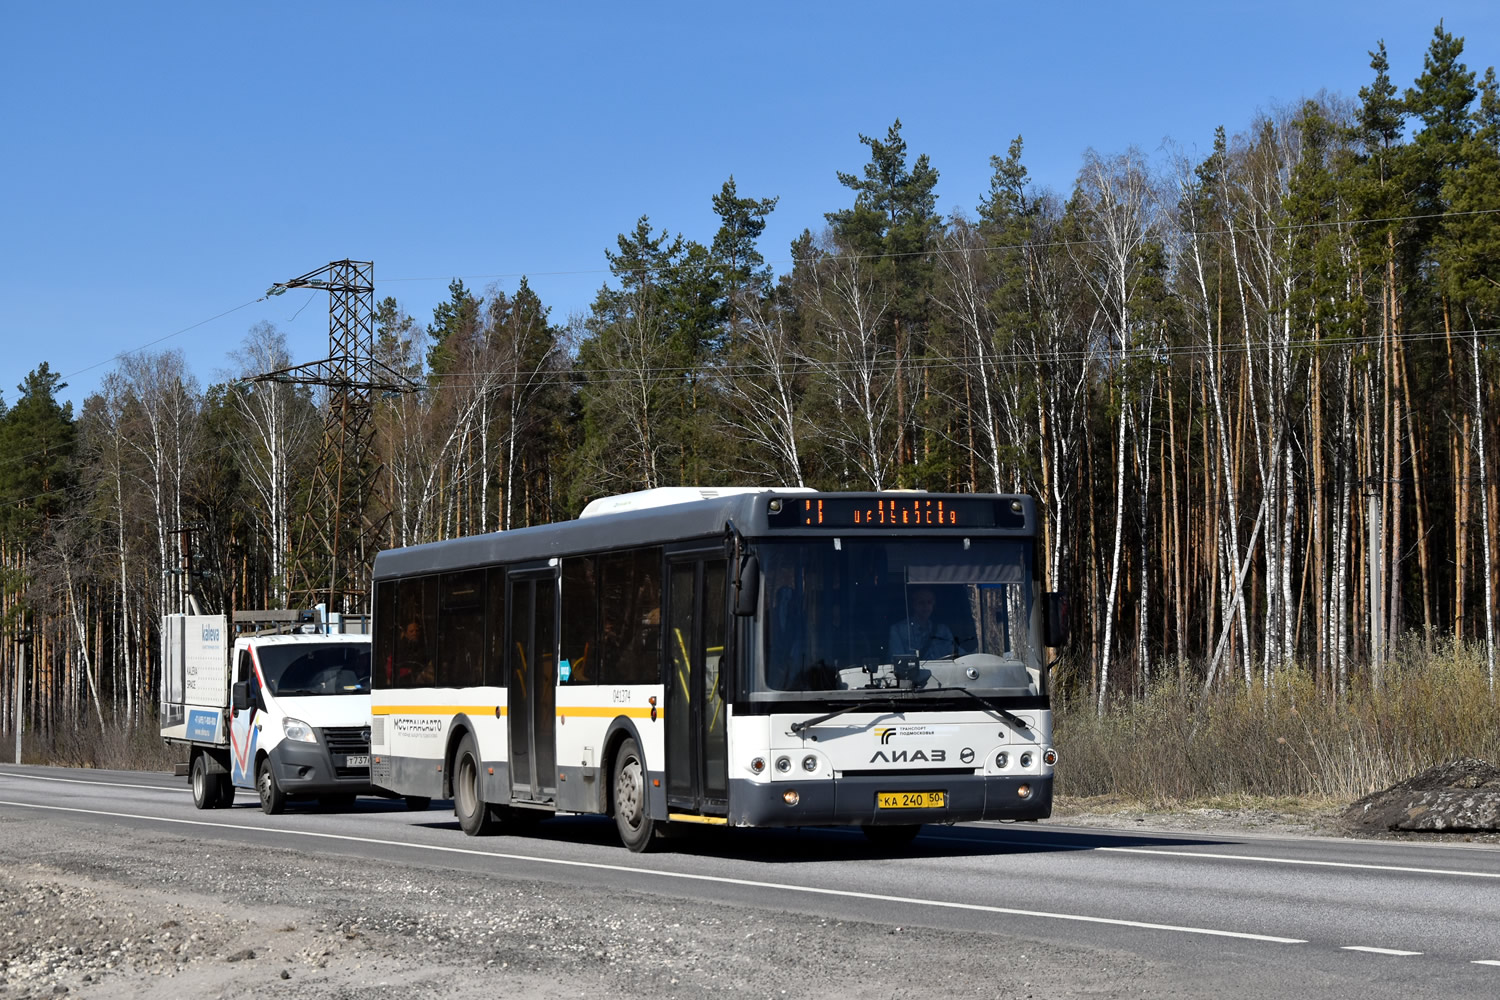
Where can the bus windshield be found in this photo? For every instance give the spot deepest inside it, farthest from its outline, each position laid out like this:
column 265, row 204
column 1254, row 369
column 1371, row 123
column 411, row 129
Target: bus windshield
column 304, row 669
column 867, row 615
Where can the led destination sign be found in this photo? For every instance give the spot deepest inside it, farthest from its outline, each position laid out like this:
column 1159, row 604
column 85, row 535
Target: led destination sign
column 898, row 512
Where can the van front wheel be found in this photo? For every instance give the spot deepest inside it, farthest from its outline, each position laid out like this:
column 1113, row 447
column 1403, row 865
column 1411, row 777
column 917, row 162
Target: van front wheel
column 272, row 798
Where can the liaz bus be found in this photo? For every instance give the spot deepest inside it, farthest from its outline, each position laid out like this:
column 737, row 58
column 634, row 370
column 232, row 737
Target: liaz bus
column 775, row 658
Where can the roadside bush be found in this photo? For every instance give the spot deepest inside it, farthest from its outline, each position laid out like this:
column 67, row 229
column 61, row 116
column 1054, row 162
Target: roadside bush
column 1178, row 743
column 117, row 746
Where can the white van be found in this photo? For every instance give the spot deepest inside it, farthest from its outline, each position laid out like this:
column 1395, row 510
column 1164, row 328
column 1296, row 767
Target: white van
column 299, row 718
column 285, row 714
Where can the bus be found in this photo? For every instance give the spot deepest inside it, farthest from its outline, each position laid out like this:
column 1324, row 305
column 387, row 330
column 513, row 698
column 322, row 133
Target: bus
column 744, row 657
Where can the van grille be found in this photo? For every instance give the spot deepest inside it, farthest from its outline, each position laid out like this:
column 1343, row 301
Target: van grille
column 348, row 740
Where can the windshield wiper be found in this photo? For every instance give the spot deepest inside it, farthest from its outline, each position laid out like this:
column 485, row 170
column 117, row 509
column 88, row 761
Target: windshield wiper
column 889, row 704
column 1014, row 720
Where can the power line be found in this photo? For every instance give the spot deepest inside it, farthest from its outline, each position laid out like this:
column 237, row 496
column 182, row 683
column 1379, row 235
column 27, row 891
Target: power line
column 887, row 361
column 986, row 249
column 826, row 257
column 885, row 364
column 158, row 340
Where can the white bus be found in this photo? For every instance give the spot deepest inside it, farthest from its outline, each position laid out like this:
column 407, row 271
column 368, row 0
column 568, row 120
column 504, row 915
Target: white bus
column 743, row 657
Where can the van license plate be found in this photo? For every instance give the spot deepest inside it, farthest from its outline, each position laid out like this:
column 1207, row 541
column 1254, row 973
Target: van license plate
column 910, row 800
column 357, row 760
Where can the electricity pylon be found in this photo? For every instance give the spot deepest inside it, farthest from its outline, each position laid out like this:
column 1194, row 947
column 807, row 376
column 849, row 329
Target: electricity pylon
column 336, row 540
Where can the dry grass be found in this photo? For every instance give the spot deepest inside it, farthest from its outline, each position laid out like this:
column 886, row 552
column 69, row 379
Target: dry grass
column 1285, row 740
column 117, row 747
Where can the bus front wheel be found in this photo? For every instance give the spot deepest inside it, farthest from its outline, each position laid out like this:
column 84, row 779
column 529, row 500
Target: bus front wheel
column 637, row 829
column 468, row 802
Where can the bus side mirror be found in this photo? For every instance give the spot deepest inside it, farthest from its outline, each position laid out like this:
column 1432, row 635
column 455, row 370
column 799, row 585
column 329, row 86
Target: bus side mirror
column 1054, row 619
column 747, row 587
column 240, row 698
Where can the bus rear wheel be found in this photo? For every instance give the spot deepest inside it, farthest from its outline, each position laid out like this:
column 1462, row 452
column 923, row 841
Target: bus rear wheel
column 637, row 829
column 468, row 801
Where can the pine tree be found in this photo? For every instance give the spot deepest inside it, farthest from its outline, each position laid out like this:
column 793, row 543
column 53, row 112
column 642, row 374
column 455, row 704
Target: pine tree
column 454, row 327
column 737, row 261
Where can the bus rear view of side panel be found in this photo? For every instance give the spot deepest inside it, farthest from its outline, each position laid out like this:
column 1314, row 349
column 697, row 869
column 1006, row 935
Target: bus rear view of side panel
column 438, row 659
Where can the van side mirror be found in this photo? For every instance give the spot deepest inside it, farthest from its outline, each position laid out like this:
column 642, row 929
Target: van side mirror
column 1054, row 618
column 747, row 587
column 240, row 697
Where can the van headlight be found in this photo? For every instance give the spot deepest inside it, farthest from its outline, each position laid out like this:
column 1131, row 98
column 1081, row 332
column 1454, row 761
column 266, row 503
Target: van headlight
column 296, row 729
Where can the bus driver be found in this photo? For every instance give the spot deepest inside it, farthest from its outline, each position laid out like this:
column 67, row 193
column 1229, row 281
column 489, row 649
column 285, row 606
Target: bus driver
column 918, row 634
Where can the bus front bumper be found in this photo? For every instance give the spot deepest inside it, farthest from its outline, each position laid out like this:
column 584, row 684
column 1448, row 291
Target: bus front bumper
column 849, row 801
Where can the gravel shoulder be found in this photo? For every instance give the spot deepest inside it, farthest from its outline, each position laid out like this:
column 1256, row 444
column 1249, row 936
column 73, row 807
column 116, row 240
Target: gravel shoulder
column 93, row 910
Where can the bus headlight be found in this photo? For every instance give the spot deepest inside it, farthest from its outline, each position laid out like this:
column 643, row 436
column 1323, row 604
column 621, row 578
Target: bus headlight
column 783, row 764
column 809, row 763
column 1002, row 760
column 1026, row 759
column 790, row 797
column 1024, row 791
column 296, row 729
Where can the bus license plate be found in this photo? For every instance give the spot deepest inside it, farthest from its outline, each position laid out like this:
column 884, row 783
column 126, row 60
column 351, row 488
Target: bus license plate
column 357, row 760
column 910, row 800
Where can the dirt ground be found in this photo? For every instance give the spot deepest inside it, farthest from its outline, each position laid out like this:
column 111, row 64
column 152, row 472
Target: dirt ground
column 1456, row 801
column 96, row 912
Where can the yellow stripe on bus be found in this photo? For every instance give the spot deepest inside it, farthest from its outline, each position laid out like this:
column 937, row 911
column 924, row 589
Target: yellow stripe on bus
column 690, row 818
column 436, row 709
column 608, row 712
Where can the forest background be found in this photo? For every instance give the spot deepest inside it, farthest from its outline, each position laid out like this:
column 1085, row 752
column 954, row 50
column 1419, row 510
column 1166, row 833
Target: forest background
column 1254, row 394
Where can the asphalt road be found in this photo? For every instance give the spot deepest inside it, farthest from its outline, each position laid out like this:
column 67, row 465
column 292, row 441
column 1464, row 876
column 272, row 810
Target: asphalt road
column 1254, row 915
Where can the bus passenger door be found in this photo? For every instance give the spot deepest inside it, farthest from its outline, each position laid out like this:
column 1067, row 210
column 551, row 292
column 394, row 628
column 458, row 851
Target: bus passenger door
column 531, row 682
column 697, row 744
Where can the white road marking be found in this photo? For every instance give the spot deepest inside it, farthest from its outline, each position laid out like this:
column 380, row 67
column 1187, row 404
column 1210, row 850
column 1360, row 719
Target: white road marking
column 1377, row 951
column 84, row 781
column 686, row 876
column 978, row 840
column 1225, row 857
column 1485, row 961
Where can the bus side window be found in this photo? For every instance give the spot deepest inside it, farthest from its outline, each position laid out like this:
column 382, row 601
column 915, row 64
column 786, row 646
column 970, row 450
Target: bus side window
column 460, row 629
column 415, row 639
column 580, row 605
column 630, row 618
column 494, row 619
column 384, row 633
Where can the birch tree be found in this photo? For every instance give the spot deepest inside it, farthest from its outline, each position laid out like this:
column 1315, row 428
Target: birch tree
column 1115, row 203
column 277, row 429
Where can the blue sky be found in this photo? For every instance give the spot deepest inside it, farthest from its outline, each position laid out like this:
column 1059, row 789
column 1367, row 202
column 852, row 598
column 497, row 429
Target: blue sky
column 161, row 163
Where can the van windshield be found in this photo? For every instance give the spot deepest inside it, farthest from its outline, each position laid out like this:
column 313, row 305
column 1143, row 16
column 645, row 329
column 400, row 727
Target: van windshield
column 306, row 669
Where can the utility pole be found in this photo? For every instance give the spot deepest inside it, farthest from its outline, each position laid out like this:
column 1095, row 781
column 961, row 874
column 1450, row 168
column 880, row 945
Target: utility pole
column 335, row 541
column 23, row 637
column 1376, row 556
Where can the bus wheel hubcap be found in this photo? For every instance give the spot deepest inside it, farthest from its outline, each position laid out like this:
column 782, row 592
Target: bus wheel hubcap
column 628, row 792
